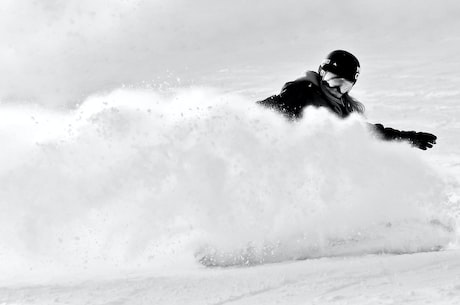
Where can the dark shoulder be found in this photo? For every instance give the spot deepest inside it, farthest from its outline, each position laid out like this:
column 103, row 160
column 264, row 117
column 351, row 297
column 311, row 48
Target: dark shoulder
column 296, row 95
column 301, row 84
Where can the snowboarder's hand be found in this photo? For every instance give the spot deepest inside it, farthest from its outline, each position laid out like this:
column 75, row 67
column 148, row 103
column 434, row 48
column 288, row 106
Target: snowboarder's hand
column 423, row 140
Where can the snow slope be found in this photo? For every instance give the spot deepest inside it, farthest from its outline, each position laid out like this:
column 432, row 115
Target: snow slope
column 135, row 167
column 423, row 278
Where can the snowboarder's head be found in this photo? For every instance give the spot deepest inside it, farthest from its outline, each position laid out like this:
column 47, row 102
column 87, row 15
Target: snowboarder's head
column 339, row 72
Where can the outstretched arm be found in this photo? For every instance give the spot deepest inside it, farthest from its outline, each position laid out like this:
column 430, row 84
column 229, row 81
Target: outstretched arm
column 422, row 140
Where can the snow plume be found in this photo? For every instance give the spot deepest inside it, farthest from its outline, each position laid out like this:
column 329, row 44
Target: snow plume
column 136, row 180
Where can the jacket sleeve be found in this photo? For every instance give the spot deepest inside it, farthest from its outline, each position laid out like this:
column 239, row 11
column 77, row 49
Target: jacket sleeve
column 287, row 100
column 288, row 92
column 422, row 140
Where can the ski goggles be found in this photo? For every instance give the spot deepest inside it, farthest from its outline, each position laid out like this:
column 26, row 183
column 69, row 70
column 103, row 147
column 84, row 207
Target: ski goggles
column 335, row 81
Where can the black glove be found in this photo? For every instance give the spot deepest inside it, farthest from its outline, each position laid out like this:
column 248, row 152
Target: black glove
column 422, row 140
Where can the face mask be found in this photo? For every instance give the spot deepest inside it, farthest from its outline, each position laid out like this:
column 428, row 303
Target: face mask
column 334, row 81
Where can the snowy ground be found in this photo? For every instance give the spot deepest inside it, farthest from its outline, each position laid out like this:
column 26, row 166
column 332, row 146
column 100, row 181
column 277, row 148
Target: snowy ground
column 422, row 278
column 136, row 169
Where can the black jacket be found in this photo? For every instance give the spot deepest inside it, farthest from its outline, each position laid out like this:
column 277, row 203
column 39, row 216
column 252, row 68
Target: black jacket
column 306, row 91
column 303, row 92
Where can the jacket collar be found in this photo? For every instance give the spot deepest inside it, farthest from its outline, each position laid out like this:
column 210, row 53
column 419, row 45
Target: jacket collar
column 315, row 79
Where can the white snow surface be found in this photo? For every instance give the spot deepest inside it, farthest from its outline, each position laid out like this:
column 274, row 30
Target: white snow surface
column 136, row 168
column 423, row 278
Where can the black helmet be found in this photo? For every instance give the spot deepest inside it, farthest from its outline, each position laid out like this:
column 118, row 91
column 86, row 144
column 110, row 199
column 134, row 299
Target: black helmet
column 342, row 63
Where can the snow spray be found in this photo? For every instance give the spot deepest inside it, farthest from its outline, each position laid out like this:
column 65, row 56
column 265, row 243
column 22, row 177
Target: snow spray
column 137, row 180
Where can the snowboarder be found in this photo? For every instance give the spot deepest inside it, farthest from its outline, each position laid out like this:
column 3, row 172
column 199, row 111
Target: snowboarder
column 330, row 88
